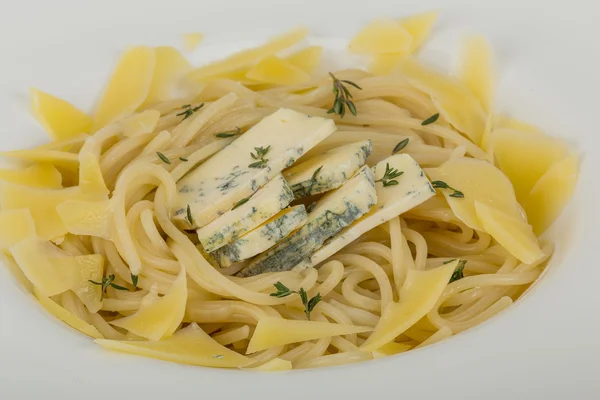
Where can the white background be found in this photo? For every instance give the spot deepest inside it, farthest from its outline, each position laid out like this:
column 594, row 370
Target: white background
column 548, row 57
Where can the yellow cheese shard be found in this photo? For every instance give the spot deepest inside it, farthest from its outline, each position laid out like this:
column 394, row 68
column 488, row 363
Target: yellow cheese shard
column 525, row 156
column 191, row 40
column 381, row 36
column 273, row 69
column 418, row 296
column 37, row 175
column 419, row 26
column 276, row 364
column 459, row 106
column 248, row 57
column 140, row 123
column 67, row 317
column 479, row 181
column 384, row 64
column 15, row 226
column 503, row 121
column 551, row 192
column 477, row 69
column 87, row 268
column 86, row 217
column 390, row 349
column 169, row 68
column 59, row 118
column 307, row 59
column 128, row 86
column 42, row 203
column 32, row 256
column 513, row 233
column 58, row 158
column 91, row 180
column 273, row 331
column 158, row 318
column 190, row 345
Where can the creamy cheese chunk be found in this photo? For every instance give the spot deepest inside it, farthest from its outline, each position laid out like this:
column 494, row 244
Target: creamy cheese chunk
column 263, row 237
column 329, row 170
column 246, row 215
column 335, row 211
column 233, row 174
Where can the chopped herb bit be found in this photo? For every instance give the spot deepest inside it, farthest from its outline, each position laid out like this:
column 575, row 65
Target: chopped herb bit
column 189, row 217
column 163, row 158
column 316, row 173
column 309, row 305
column 106, row 282
column 431, row 119
column 188, row 110
column 449, row 261
column 342, row 97
column 458, row 272
column 239, row 203
column 389, row 175
column 226, row 134
column 400, row 146
column 443, row 185
column 261, row 152
column 311, row 206
column 183, row 159
column 218, row 356
column 134, row 280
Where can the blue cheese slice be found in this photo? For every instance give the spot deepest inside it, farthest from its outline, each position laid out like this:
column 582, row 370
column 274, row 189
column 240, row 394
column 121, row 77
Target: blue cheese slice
column 335, row 211
column 413, row 188
column 328, row 170
column 263, row 237
column 246, row 215
column 233, row 174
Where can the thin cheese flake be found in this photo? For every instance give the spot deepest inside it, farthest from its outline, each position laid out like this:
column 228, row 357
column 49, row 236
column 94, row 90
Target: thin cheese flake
column 86, row 217
column 59, row 118
column 169, row 69
column 276, row 70
column 419, row 26
column 381, row 36
column 37, row 175
column 15, row 226
column 477, row 69
column 191, row 41
column 307, row 59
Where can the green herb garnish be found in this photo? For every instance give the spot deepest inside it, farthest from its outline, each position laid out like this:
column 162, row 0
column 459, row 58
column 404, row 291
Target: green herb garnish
column 183, row 159
column 261, row 152
column 163, row 158
column 431, row 119
column 309, row 305
column 389, row 175
column 342, row 97
column 134, row 280
column 188, row 110
column 227, row 134
column 106, row 282
column 239, row 203
column 443, row 185
column 189, row 216
column 458, row 272
column 400, row 146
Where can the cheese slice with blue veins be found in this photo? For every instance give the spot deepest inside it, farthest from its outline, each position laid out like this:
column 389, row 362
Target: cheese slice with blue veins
column 335, row 211
column 263, row 237
column 413, row 188
column 216, row 185
column 328, row 170
column 266, row 202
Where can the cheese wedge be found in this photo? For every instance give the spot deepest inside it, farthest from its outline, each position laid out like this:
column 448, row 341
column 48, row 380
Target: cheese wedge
column 262, row 237
column 190, row 345
column 158, row 317
column 223, row 180
column 273, row 331
column 15, row 226
column 128, row 86
column 38, row 175
column 413, row 188
column 418, row 296
column 59, row 118
column 335, row 211
column 329, row 170
column 246, row 215
column 86, row 217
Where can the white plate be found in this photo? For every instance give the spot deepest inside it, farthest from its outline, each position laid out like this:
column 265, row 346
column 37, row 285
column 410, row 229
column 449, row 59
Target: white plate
column 545, row 346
